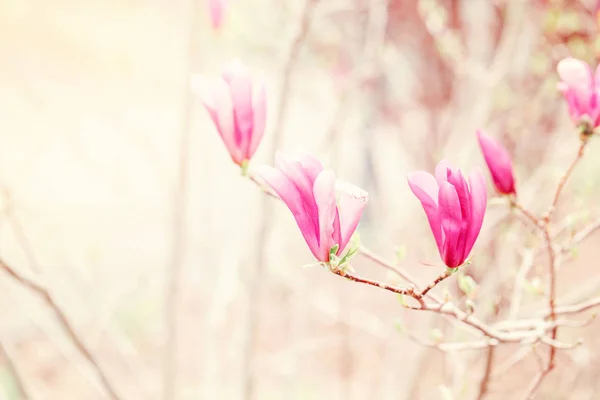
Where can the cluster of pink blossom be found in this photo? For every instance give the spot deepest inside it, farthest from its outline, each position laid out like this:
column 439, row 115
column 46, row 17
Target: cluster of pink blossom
column 455, row 208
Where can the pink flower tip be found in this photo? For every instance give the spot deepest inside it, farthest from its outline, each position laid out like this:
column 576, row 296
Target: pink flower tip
column 309, row 191
column 454, row 208
column 580, row 88
column 216, row 10
column 238, row 108
column 499, row 163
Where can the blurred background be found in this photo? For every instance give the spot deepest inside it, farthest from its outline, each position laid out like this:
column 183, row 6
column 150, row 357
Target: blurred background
column 119, row 196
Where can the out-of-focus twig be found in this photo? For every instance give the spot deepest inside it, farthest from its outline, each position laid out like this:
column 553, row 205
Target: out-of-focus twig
column 178, row 228
column 552, row 266
column 18, row 378
column 487, row 373
column 565, row 178
column 64, row 322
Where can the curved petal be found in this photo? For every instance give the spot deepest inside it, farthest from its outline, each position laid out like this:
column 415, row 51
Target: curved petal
column 324, row 192
column 425, row 187
column 311, row 165
column 441, row 171
column 577, row 75
column 451, row 219
column 479, row 204
column 240, row 84
column 351, row 204
column 288, row 192
column 456, row 179
column 499, row 163
column 216, row 98
column 296, row 173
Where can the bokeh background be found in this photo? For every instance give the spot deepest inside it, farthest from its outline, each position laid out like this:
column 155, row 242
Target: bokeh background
column 97, row 123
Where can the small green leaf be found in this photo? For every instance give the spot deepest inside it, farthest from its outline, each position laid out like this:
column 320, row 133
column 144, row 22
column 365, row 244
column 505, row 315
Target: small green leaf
column 402, row 300
column 466, row 284
column 446, row 392
column 574, row 252
column 334, row 249
column 401, row 253
column 399, row 325
column 437, row 335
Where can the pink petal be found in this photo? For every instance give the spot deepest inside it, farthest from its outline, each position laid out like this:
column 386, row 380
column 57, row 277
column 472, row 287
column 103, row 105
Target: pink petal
column 425, row 187
column 441, row 171
column 451, row 219
column 215, row 96
column 296, row 173
column 311, row 165
column 457, row 180
column 324, row 192
column 478, row 204
column 352, row 202
column 216, row 9
column 259, row 106
column 288, row 192
column 499, row 163
column 577, row 75
column 240, row 82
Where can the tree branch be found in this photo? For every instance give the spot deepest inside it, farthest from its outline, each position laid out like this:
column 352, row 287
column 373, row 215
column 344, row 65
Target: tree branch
column 64, row 322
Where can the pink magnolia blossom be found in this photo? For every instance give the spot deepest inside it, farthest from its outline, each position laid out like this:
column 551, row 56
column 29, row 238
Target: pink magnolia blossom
column 454, row 209
column 310, row 194
column 216, row 9
column 580, row 88
column 498, row 162
column 237, row 108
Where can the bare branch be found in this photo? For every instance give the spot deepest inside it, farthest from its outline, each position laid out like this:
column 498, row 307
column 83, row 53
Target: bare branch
column 64, row 322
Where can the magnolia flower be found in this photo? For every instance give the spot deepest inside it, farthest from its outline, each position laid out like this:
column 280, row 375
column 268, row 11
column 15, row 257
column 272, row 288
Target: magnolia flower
column 237, row 108
column 216, row 9
column 454, row 209
column 498, row 162
column 580, row 88
column 310, row 194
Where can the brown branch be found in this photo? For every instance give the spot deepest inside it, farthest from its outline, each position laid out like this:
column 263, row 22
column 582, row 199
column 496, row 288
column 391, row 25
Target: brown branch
column 390, row 267
column 15, row 374
column 409, row 291
column 564, row 179
column 552, row 264
column 437, row 280
column 487, row 373
column 64, row 322
column 526, row 213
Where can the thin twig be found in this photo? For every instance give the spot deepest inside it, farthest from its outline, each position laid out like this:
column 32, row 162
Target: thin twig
column 409, row 291
column 487, row 373
column 17, row 377
column 64, row 322
column 535, row 384
column 577, row 308
column 565, row 178
column 448, row 273
column 552, row 266
column 178, row 228
column 526, row 213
